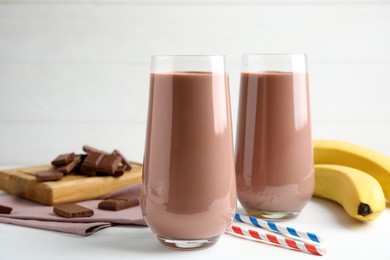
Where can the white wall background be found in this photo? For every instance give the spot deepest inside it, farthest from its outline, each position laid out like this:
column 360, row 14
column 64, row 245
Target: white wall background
column 75, row 72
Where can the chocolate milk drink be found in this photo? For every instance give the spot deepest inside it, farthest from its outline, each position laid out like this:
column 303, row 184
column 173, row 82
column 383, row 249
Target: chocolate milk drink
column 274, row 161
column 189, row 177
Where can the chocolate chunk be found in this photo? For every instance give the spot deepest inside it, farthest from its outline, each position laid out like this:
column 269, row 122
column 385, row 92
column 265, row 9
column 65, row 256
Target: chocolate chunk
column 87, row 172
column 120, row 171
column 5, row 209
column 49, row 175
column 109, row 164
column 63, row 159
column 72, row 210
column 82, row 158
column 90, row 149
column 124, row 160
column 66, row 169
column 92, row 161
column 116, row 204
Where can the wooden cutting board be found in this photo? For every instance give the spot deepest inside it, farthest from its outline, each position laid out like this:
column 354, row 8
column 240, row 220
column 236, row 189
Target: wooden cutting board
column 71, row 188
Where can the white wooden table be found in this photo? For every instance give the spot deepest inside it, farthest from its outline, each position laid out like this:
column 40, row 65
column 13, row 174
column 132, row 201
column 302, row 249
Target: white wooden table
column 345, row 238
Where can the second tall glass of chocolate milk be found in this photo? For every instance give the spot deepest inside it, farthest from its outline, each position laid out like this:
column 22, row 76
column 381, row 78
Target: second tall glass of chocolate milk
column 189, row 188
column 274, row 158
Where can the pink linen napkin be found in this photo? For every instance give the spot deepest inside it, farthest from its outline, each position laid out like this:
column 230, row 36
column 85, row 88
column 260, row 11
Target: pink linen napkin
column 32, row 214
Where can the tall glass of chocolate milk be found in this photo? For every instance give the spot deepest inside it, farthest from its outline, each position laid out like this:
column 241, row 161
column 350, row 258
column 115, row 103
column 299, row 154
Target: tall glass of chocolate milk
column 189, row 188
column 274, row 158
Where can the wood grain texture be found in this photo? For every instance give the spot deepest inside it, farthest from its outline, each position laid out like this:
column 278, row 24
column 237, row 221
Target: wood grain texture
column 71, row 188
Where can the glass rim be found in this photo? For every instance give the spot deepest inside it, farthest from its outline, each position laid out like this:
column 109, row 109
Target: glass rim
column 170, row 63
column 287, row 62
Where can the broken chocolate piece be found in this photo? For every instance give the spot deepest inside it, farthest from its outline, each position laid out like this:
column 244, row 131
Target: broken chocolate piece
column 90, row 149
column 5, row 209
column 124, row 160
column 92, row 161
column 87, row 172
column 120, row 171
column 66, row 169
column 78, row 166
column 115, row 204
column 51, row 174
column 72, row 210
column 109, row 164
column 63, row 159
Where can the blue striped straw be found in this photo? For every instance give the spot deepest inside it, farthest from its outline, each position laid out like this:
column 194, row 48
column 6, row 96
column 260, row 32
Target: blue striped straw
column 271, row 226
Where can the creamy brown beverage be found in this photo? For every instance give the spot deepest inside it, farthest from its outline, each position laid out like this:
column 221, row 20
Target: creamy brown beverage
column 189, row 187
column 274, row 161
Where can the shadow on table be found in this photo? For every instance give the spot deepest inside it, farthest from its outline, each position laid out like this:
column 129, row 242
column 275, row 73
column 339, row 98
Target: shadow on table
column 135, row 239
column 336, row 211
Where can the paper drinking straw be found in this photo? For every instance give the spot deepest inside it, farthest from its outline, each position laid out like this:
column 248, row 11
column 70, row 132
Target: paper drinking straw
column 271, row 226
column 315, row 249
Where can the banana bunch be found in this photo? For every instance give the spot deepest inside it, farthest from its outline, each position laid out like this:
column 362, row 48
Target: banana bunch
column 356, row 177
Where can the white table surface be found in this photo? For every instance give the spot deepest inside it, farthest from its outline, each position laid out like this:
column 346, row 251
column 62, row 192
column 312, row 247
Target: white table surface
column 345, row 238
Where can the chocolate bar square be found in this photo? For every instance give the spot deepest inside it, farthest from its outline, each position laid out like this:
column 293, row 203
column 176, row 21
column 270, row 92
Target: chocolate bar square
column 51, row 174
column 124, row 160
column 63, row 159
column 66, row 169
column 5, row 209
column 90, row 149
column 72, row 210
column 92, row 160
column 109, row 164
column 115, row 204
column 87, row 172
column 120, row 171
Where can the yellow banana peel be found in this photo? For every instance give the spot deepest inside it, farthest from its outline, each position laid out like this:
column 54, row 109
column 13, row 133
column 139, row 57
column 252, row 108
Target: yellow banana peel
column 359, row 193
column 355, row 156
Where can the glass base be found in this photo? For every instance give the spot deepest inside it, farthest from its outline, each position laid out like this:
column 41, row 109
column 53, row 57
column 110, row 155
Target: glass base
column 273, row 215
column 188, row 244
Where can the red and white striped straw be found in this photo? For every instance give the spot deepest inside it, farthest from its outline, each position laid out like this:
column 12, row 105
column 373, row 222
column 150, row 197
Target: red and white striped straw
column 316, row 249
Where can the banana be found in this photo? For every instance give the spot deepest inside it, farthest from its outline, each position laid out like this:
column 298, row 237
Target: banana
column 355, row 156
column 359, row 193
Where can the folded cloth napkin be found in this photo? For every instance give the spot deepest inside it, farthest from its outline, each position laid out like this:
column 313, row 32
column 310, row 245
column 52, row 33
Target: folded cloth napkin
column 32, row 214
